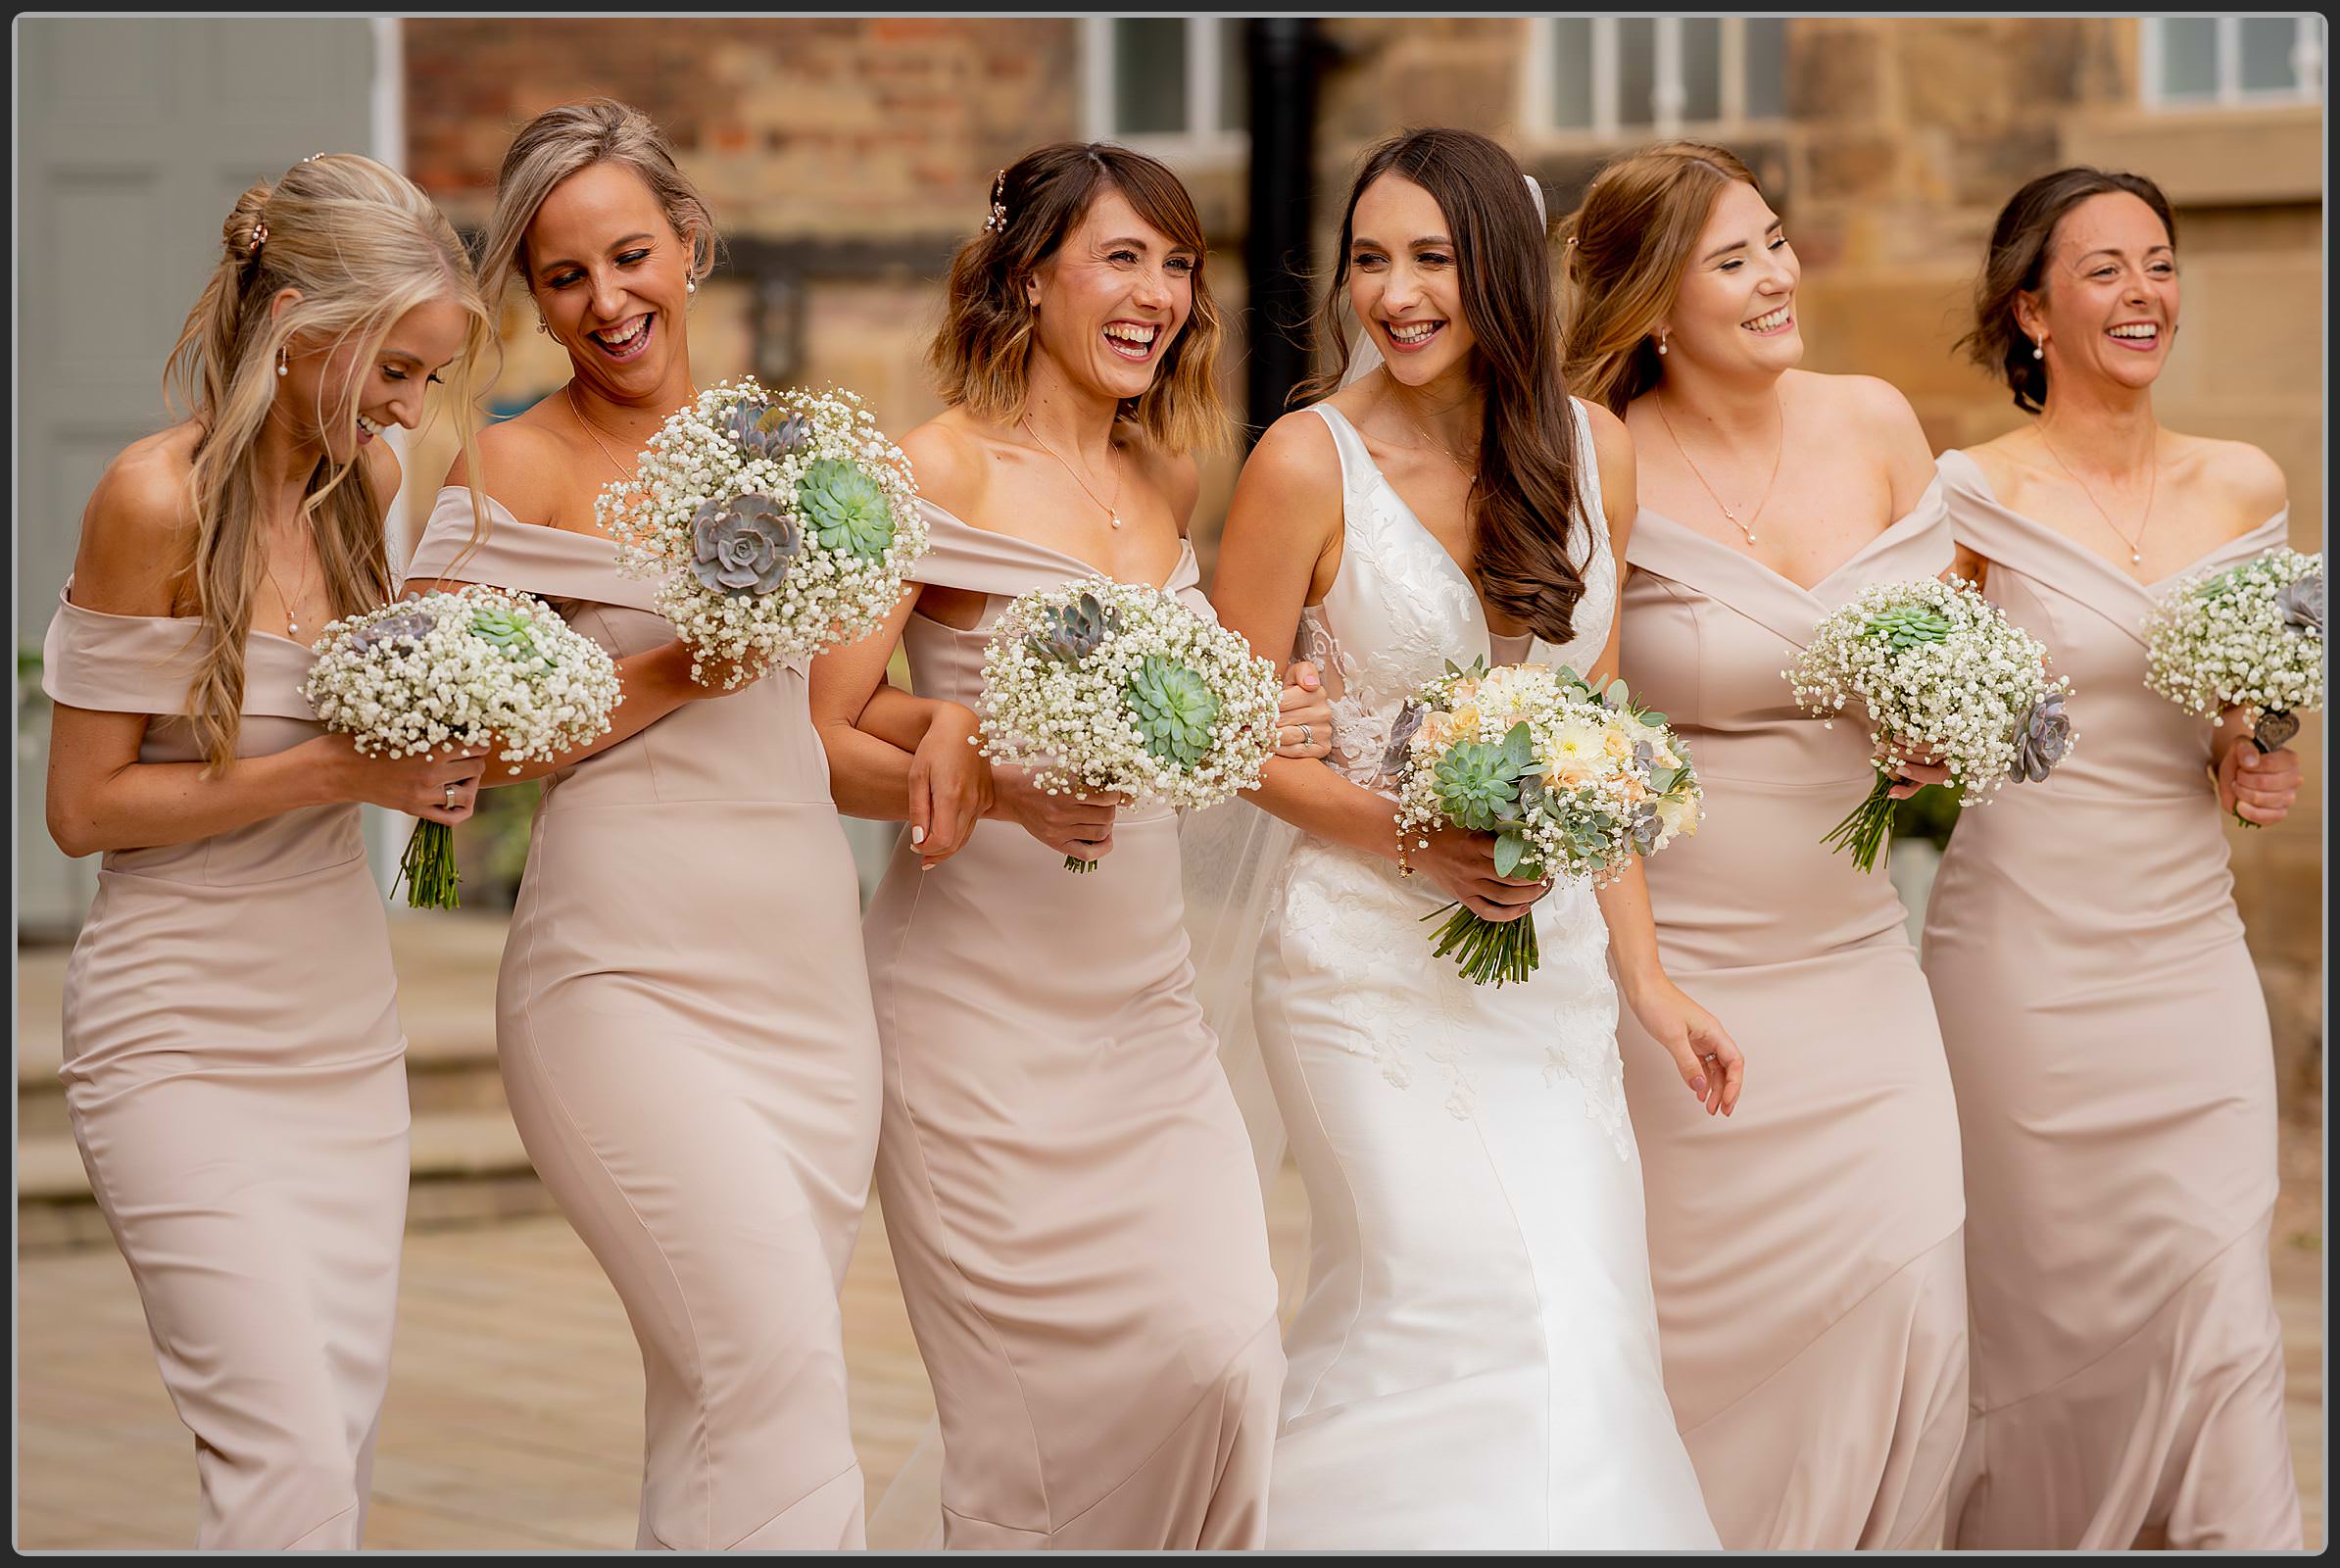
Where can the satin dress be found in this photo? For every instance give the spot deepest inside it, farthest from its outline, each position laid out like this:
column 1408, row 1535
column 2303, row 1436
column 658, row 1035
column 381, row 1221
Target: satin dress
column 686, row 1040
column 2109, row 1046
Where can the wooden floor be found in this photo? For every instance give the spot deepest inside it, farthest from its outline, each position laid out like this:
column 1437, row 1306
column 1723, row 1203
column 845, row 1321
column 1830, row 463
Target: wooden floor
column 514, row 1416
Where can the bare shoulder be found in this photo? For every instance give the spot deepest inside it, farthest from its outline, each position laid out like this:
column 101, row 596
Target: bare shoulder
column 1295, row 453
column 947, row 457
column 138, row 529
column 1613, row 454
column 1881, row 414
column 378, row 466
column 524, row 465
column 2239, row 473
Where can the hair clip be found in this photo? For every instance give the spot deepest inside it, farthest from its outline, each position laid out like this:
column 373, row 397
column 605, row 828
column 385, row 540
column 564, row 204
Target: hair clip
column 997, row 223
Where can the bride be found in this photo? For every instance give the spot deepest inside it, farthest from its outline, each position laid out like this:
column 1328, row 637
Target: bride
column 1475, row 1364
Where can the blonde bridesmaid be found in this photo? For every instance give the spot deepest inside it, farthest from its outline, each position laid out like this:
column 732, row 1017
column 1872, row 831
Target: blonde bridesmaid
column 233, row 1062
column 681, row 1018
column 1068, row 1185
column 1807, row 1255
column 2105, row 1028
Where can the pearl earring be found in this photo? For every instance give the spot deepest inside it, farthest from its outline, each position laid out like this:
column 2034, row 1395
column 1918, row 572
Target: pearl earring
column 691, row 285
column 1661, row 342
column 2040, row 348
column 283, row 361
column 542, row 327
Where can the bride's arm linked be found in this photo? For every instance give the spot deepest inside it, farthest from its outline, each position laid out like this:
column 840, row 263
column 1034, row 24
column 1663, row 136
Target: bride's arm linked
column 1280, row 551
column 1703, row 1052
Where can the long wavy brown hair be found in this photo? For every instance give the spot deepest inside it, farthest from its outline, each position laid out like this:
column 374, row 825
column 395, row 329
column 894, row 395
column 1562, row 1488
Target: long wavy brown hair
column 1629, row 241
column 1530, row 496
column 982, row 353
column 364, row 246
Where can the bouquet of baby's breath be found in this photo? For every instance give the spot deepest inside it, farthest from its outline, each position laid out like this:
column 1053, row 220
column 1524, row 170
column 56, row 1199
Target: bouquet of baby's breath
column 1943, row 673
column 2250, row 636
column 1100, row 685
column 1573, row 781
column 459, row 669
column 781, row 524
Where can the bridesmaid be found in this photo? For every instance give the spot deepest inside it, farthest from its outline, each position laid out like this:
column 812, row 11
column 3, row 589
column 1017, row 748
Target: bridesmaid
column 681, row 1018
column 1068, row 1185
column 1807, row 1256
column 233, row 1062
column 2106, row 1029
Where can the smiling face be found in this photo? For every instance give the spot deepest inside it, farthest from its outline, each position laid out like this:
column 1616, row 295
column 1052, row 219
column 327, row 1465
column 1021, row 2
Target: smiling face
column 322, row 386
column 612, row 278
column 2107, row 304
column 1734, row 310
column 1112, row 298
column 1404, row 283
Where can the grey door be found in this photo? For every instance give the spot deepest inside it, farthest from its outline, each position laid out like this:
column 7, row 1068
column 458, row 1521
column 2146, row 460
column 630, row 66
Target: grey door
column 133, row 137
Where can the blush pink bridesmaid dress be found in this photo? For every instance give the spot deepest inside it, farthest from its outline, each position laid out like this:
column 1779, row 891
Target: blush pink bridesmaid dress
column 236, row 1078
column 1068, row 1184
column 686, row 1040
column 2116, row 1090
column 1807, row 1252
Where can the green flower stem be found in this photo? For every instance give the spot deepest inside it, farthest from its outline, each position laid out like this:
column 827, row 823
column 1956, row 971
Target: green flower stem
column 1487, row 951
column 428, row 868
column 1865, row 829
column 1078, row 867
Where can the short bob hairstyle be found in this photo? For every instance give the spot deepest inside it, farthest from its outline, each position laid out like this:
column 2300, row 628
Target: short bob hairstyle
column 982, row 353
column 2017, row 264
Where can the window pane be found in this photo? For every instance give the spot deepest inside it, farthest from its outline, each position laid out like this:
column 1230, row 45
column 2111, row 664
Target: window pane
column 1701, row 69
column 2189, row 57
column 1150, row 75
column 1234, row 75
column 2267, row 43
column 1572, row 72
column 1767, row 67
column 1636, row 70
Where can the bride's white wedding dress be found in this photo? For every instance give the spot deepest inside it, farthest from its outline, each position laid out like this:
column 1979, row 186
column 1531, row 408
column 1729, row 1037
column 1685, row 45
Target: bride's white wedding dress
column 1474, row 1363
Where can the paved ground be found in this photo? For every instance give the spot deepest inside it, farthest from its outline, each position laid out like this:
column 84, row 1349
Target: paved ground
column 514, row 1415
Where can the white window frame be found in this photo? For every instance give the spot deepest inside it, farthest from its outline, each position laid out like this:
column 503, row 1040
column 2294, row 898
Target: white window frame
column 2306, row 66
column 1666, row 91
column 1205, row 89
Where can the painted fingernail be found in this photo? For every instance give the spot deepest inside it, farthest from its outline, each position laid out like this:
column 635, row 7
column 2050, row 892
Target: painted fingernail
column 1698, row 1086
column 917, row 835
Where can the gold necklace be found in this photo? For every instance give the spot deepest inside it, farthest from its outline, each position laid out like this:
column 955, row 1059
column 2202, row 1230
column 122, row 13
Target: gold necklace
column 1720, row 505
column 624, row 471
column 267, row 566
column 2153, row 477
column 1113, row 507
column 1469, row 470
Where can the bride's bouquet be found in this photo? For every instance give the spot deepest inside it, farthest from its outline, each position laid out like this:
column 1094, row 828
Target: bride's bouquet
column 1572, row 781
column 781, row 522
column 1945, row 674
column 2250, row 636
column 1100, row 685
column 459, row 669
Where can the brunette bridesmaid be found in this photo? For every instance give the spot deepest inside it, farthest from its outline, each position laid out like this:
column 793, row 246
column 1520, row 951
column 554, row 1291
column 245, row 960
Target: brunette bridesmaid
column 233, row 1062
column 2106, row 1027
column 1807, row 1253
column 1068, row 1185
column 682, row 1019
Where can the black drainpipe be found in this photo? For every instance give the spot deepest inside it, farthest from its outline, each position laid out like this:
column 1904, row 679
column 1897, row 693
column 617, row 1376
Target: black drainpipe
column 1283, row 54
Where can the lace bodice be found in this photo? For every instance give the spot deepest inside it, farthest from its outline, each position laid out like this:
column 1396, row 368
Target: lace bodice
column 1400, row 607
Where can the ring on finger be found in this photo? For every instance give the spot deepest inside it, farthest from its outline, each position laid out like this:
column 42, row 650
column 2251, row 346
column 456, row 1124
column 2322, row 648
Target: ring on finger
column 451, row 796
column 1307, row 735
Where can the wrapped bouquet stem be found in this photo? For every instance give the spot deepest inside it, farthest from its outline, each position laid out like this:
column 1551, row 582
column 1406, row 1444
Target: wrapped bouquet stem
column 1103, row 686
column 1572, row 781
column 2251, row 637
column 464, row 669
column 1945, row 677
column 781, row 524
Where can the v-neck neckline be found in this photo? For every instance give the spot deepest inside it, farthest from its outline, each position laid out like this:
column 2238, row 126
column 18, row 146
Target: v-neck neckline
column 1487, row 626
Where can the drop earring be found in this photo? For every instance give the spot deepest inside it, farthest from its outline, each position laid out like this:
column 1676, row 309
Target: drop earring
column 542, row 327
column 2040, row 348
column 1661, row 342
column 691, row 285
column 283, row 361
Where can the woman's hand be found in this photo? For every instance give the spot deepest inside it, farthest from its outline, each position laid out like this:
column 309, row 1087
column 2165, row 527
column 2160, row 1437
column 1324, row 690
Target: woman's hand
column 440, row 788
column 951, row 787
column 1919, row 766
column 1702, row 1052
column 1463, row 867
column 1304, row 716
column 716, row 676
column 1078, row 825
column 2257, row 786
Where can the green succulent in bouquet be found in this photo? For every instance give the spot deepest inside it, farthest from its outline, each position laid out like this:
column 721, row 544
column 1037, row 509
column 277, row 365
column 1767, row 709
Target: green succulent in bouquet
column 1174, row 710
column 846, row 508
